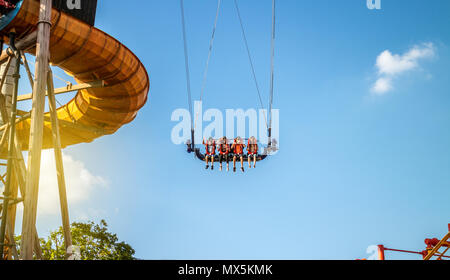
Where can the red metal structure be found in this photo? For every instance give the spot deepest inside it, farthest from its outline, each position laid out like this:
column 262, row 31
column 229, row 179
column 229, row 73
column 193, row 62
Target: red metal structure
column 436, row 249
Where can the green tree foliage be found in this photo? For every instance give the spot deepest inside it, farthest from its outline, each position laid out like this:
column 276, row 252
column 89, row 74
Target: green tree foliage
column 91, row 242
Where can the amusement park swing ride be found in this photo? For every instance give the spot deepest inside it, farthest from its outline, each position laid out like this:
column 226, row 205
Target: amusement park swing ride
column 272, row 145
column 433, row 245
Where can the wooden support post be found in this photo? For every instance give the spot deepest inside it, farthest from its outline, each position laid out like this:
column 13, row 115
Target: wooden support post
column 19, row 167
column 9, row 173
column 27, row 68
column 4, row 138
column 36, row 133
column 20, row 170
column 3, row 79
column 6, row 93
column 12, row 242
column 59, row 161
column 14, row 195
column 11, row 219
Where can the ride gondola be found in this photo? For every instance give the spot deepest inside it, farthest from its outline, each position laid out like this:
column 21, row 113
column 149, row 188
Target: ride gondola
column 270, row 149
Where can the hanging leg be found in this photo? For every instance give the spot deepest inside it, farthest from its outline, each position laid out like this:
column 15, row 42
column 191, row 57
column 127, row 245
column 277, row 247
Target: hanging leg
column 242, row 162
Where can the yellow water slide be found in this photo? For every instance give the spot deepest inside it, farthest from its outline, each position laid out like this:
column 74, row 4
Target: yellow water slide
column 88, row 54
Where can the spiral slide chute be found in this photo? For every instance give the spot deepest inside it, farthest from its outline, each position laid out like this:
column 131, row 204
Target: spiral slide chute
column 88, row 54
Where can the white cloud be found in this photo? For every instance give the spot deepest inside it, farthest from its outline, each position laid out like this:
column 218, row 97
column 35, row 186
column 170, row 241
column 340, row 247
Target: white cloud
column 83, row 191
column 80, row 183
column 382, row 85
column 391, row 65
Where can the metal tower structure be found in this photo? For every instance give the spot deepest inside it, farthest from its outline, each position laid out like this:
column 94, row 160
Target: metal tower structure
column 436, row 249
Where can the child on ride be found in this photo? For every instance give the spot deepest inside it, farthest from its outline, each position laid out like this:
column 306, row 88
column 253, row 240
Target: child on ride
column 238, row 150
column 224, row 152
column 210, row 146
column 252, row 149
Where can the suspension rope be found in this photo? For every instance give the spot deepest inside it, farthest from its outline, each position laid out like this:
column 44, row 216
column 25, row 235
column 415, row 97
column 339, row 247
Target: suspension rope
column 186, row 60
column 205, row 75
column 211, row 45
column 272, row 66
column 250, row 60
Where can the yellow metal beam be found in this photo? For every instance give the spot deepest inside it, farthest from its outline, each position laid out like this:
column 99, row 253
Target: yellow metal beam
column 68, row 88
column 437, row 247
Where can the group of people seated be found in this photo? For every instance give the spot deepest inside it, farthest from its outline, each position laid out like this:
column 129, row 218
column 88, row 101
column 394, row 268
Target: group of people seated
column 231, row 151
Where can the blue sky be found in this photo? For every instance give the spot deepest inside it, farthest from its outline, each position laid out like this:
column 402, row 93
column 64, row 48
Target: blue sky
column 355, row 168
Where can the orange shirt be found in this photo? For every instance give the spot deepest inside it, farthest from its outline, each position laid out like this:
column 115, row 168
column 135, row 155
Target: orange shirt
column 239, row 149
